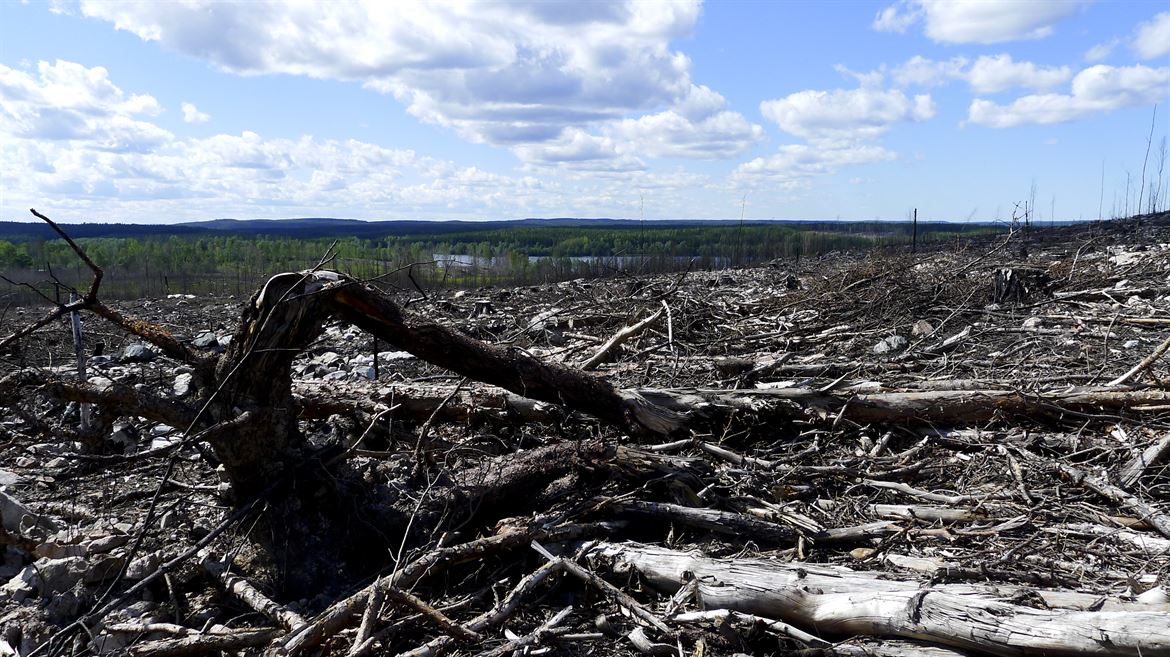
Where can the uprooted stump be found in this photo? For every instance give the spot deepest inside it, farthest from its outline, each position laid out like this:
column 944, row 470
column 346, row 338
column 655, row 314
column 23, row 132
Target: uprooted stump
column 1019, row 284
column 323, row 516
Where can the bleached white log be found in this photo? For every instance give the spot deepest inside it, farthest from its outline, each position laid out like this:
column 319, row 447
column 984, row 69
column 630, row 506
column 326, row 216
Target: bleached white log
column 835, row 601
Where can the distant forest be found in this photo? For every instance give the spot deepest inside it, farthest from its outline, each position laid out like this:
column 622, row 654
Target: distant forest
column 235, row 257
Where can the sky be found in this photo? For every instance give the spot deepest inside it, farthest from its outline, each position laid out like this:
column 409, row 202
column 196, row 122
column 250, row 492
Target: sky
column 187, row 110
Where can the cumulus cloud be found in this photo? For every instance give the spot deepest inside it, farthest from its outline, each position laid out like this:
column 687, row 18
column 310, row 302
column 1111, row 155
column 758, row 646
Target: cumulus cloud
column 867, row 79
column 794, row 164
column 897, row 17
column 249, row 174
column 990, row 75
column 986, row 75
column 70, row 136
column 922, row 72
column 227, row 167
column 1152, row 38
column 977, row 21
column 528, row 75
column 1100, row 52
column 846, row 114
column 68, row 101
column 191, row 114
column 72, row 168
column 579, row 150
column 698, row 127
column 670, row 134
column 839, row 127
column 1095, row 90
column 700, row 103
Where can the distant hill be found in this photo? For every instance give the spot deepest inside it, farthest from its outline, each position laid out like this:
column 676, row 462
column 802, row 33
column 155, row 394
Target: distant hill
column 19, row 231
column 310, row 227
column 306, row 227
column 318, row 227
column 250, row 224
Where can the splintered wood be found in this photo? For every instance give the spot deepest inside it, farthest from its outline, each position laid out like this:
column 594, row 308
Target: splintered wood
column 952, row 452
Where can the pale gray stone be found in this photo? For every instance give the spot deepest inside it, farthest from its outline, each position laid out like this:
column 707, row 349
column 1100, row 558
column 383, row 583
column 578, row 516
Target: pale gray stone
column 137, row 353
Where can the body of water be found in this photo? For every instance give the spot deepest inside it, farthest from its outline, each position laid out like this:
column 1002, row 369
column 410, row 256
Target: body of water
column 459, row 261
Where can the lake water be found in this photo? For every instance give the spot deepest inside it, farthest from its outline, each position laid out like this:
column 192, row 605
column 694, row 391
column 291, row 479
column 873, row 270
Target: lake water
column 458, row 261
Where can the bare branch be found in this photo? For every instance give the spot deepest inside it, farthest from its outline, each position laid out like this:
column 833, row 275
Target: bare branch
column 91, row 295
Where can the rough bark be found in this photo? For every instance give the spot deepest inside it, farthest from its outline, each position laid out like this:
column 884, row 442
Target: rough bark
column 698, row 408
column 507, row 367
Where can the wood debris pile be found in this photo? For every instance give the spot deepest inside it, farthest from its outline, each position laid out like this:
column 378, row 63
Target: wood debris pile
column 963, row 451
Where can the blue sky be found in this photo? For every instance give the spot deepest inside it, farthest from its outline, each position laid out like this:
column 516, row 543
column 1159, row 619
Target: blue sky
column 174, row 111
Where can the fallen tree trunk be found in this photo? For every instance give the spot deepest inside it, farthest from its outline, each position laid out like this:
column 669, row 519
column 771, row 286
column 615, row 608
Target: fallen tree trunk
column 415, row 403
column 932, row 408
column 834, row 600
column 507, row 367
column 697, row 408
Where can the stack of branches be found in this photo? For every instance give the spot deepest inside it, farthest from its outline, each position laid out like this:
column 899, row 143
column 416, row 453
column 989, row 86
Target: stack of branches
column 706, row 463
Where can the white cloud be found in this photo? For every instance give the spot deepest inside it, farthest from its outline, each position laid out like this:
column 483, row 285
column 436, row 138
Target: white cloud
column 897, row 17
column 71, row 138
column 533, row 76
column 71, row 86
column 923, row 72
column 845, row 114
column 794, row 164
column 1100, row 52
column 838, row 125
column 977, row 21
column 1152, row 38
column 699, row 127
column 248, row 174
column 578, row 150
column 68, row 101
column 990, row 75
column 191, row 114
column 622, row 144
column 1095, row 90
column 700, row 103
column 867, row 79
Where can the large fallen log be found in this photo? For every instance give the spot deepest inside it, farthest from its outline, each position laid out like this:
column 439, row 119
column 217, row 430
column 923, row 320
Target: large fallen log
column 836, row 601
column 505, row 366
column 932, row 407
column 695, row 408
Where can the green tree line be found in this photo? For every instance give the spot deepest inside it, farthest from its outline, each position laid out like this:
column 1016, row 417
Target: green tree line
column 233, row 264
